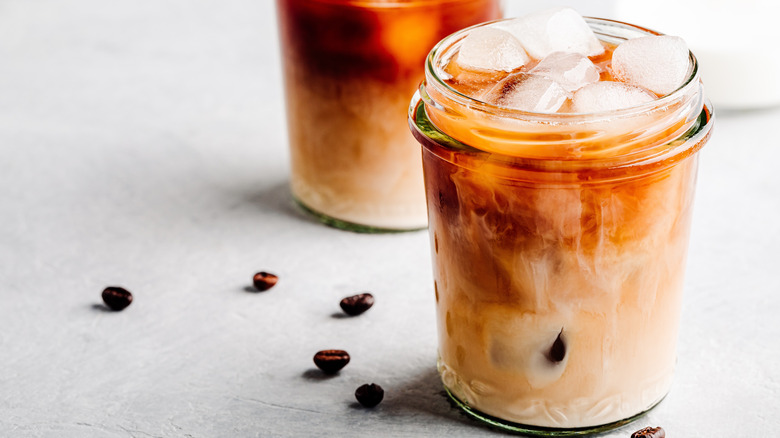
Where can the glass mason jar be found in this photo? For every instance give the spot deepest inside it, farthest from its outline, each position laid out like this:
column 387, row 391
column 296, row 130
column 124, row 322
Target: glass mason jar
column 559, row 244
column 349, row 68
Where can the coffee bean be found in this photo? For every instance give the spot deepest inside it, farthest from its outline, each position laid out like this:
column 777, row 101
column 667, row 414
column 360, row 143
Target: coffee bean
column 117, row 298
column 357, row 304
column 331, row 361
column 557, row 350
column 369, row 395
column 650, row 432
column 264, row 281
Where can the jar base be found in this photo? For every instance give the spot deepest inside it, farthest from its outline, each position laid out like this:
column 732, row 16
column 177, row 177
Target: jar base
column 349, row 226
column 537, row 430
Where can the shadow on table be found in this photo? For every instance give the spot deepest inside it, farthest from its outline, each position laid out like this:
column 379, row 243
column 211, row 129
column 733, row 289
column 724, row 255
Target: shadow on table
column 278, row 198
column 423, row 399
column 100, row 308
column 314, row 374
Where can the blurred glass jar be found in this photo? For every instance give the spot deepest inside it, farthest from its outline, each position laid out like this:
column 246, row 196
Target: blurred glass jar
column 349, row 68
column 736, row 44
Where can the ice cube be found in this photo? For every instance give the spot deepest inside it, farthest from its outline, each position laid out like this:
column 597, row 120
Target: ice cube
column 571, row 71
column 658, row 63
column 489, row 48
column 554, row 30
column 527, row 93
column 608, row 96
column 521, row 341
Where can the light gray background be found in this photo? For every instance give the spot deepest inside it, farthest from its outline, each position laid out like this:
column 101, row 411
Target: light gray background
column 142, row 143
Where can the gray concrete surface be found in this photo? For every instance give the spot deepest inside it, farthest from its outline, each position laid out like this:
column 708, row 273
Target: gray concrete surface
column 142, row 143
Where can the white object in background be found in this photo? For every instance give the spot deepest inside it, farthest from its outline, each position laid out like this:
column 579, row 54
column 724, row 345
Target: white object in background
column 737, row 44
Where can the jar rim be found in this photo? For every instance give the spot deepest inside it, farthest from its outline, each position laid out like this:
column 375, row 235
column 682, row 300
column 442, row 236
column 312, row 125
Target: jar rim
column 435, row 141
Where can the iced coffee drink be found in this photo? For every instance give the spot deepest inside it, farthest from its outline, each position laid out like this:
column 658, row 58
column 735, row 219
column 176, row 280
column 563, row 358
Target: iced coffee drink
column 560, row 158
column 349, row 68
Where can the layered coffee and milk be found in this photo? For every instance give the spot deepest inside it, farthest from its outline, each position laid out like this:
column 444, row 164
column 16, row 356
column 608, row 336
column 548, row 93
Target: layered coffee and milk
column 560, row 171
column 350, row 66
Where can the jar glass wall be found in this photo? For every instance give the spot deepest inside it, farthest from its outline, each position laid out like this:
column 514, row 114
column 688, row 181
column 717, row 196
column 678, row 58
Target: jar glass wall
column 559, row 244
